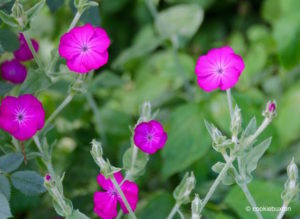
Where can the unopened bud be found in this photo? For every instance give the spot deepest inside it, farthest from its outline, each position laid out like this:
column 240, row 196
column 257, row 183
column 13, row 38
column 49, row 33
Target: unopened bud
column 271, row 110
column 97, row 154
column 184, row 189
column 19, row 14
column 292, row 171
column 196, row 207
column 236, row 122
column 47, row 178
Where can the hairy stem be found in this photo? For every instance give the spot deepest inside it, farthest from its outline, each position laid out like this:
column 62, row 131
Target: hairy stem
column 117, row 186
column 120, row 214
column 217, row 182
column 250, row 199
column 66, row 101
column 35, row 55
column 173, row 211
column 282, row 210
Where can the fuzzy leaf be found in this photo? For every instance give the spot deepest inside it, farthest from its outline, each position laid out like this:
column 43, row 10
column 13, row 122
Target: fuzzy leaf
column 181, row 20
column 4, row 207
column 28, row 182
column 77, row 215
column 250, row 129
column 35, row 9
column 10, row 162
column 9, row 20
column 140, row 163
column 229, row 177
column 255, row 154
column 8, row 40
column 5, row 186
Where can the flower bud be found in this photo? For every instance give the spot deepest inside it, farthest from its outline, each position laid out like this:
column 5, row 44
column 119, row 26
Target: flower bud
column 19, row 14
column 291, row 189
column 184, row 189
column 219, row 141
column 271, row 110
column 196, row 206
column 236, row 122
column 47, row 178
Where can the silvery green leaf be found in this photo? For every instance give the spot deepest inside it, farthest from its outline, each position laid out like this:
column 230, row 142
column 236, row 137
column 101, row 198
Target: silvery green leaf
column 229, row 177
column 28, row 182
column 4, row 186
column 9, row 20
column 10, row 162
column 217, row 167
column 180, row 20
column 4, row 207
column 8, row 40
column 139, row 165
column 59, row 210
column 250, row 129
column 35, row 9
column 255, row 154
column 76, row 214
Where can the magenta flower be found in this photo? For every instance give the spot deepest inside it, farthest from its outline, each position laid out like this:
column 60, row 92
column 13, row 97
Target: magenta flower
column 24, row 53
column 219, row 68
column 149, row 136
column 106, row 202
column 13, row 71
column 21, row 116
column 84, row 48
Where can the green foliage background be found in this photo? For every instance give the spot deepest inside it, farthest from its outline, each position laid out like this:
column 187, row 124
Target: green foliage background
column 155, row 61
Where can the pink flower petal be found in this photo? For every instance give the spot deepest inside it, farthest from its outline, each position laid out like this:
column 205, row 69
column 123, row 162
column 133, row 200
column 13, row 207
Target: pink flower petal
column 105, row 205
column 13, row 71
column 130, row 191
column 107, row 183
column 209, row 83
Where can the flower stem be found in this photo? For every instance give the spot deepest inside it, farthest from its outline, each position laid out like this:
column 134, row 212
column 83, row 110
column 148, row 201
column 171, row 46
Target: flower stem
column 120, row 214
column 35, row 55
column 282, row 210
column 250, row 199
column 74, row 21
column 217, row 182
column 117, row 186
column 228, row 92
column 97, row 115
column 260, row 129
column 173, row 211
column 66, row 101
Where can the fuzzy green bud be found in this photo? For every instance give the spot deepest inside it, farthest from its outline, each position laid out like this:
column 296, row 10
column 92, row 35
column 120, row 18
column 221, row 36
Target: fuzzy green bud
column 236, row 122
column 196, row 207
column 184, row 189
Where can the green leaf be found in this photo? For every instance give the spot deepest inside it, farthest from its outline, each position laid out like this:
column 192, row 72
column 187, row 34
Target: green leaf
column 250, row 129
column 28, row 182
column 288, row 121
column 229, row 177
column 32, row 12
column 10, row 162
column 8, row 40
column 255, row 154
column 157, row 206
column 187, row 141
column 91, row 16
column 4, row 186
column 35, row 82
column 180, row 20
column 5, row 88
column 140, row 163
column 76, row 214
column 4, row 207
column 9, row 20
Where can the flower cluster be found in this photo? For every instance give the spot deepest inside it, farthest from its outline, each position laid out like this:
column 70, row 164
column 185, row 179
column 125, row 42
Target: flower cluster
column 13, row 70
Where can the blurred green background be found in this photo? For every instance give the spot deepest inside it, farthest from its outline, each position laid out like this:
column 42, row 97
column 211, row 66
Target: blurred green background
column 155, row 61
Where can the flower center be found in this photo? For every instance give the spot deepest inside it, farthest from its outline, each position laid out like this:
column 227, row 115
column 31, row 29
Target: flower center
column 84, row 48
column 113, row 192
column 20, row 117
column 219, row 70
column 149, row 137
